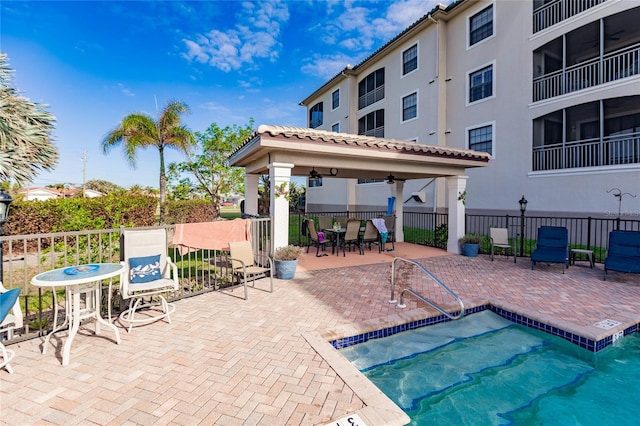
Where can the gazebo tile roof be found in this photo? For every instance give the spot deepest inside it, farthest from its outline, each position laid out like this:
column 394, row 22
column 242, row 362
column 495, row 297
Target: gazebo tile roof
column 313, row 135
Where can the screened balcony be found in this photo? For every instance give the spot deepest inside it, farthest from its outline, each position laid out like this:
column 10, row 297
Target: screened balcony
column 547, row 13
column 577, row 138
column 595, row 54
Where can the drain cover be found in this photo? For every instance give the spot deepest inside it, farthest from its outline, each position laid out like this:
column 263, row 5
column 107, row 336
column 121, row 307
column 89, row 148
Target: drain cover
column 607, row 324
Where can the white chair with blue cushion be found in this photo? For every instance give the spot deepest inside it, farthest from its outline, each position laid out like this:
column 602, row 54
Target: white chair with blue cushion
column 147, row 273
column 10, row 319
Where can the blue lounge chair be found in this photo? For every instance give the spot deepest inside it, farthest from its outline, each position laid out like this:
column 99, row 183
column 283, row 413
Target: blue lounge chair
column 552, row 246
column 623, row 254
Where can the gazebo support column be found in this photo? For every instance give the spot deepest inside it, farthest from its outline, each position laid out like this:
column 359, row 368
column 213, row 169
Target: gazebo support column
column 456, row 185
column 251, row 194
column 399, row 211
column 279, row 176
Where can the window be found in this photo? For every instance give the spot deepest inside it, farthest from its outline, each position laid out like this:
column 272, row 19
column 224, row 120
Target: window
column 481, row 139
column 371, row 89
column 410, row 59
column 410, row 107
column 335, row 99
column 335, row 128
column 481, row 84
column 372, row 124
column 315, row 115
column 481, row 25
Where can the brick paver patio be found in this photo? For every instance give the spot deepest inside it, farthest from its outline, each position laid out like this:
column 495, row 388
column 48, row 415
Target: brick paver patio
column 227, row 361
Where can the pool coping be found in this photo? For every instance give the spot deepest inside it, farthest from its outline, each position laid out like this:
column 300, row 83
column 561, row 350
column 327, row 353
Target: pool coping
column 380, row 409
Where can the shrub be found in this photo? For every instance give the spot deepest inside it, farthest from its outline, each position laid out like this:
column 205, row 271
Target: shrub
column 288, row 253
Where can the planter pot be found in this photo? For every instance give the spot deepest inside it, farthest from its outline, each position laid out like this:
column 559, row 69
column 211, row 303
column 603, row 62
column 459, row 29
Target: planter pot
column 470, row 250
column 285, row 269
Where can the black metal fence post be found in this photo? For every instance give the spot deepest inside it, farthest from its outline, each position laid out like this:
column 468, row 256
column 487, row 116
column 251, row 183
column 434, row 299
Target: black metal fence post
column 521, row 233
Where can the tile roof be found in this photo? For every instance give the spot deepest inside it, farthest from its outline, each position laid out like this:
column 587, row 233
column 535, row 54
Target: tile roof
column 365, row 142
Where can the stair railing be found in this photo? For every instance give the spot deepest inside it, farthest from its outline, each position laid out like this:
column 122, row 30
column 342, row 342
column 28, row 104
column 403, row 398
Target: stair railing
column 418, row 295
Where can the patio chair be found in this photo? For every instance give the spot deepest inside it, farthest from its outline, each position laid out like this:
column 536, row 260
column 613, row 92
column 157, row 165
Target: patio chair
column 325, row 222
column 623, row 254
column 9, row 302
column 314, row 238
column 500, row 239
column 342, row 220
column 371, row 236
column 390, row 224
column 247, row 265
column 552, row 246
column 147, row 273
column 351, row 237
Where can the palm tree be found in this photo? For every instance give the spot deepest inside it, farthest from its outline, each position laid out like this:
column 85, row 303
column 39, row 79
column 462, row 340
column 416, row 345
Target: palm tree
column 138, row 130
column 25, row 133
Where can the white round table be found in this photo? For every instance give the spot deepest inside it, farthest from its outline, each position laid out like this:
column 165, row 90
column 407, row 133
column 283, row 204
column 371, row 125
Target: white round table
column 78, row 280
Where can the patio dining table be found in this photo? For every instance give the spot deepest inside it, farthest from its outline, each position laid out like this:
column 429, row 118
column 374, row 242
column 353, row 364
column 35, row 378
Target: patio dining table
column 337, row 233
column 82, row 300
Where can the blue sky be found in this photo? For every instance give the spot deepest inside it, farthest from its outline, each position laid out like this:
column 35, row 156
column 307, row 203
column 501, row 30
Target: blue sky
column 93, row 62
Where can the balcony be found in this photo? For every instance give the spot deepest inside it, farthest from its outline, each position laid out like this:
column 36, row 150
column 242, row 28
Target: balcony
column 607, row 151
column 371, row 97
column 613, row 66
column 553, row 12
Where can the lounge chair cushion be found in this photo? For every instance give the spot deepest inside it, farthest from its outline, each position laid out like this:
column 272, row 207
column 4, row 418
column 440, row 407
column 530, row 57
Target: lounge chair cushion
column 624, row 252
column 144, row 269
column 7, row 301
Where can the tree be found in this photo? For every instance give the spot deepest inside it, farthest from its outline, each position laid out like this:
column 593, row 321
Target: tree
column 102, row 186
column 213, row 177
column 25, row 133
column 139, row 130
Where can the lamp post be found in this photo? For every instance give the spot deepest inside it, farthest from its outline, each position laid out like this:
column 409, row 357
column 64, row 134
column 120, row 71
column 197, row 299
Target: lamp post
column 5, row 200
column 523, row 208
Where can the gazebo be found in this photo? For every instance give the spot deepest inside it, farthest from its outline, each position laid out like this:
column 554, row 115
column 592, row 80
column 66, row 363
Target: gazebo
column 282, row 152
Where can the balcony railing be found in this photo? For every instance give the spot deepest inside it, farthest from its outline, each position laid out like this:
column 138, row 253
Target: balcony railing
column 557, row 11
column 371, row 97
column 378, row 132
column 613, row 66
column 608, row 151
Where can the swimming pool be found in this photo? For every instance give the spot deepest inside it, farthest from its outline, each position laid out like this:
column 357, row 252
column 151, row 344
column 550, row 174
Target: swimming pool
column 485, row 369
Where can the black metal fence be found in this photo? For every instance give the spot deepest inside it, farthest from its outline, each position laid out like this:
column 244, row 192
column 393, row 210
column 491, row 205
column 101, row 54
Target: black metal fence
column 431, row 229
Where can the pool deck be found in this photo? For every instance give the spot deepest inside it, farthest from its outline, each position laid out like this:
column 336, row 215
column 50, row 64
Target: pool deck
column 265, row 361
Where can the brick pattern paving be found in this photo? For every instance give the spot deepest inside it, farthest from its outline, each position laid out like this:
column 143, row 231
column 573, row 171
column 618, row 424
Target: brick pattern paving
column 228, row 361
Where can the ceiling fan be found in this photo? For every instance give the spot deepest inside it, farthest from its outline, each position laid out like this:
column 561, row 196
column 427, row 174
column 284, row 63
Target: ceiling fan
column 391, row 179
column 615, row 36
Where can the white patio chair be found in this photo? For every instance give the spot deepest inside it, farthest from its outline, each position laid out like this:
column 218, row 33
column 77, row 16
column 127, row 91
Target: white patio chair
column 147, row 273
column 500, row 239
column 10, row 319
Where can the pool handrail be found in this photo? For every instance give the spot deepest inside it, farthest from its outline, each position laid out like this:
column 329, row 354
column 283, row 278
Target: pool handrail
column 418, row 295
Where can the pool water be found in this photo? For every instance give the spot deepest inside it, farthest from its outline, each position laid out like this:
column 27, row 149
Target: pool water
column 486, row 370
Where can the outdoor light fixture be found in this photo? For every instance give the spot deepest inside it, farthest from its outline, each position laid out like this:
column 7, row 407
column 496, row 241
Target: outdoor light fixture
column 5, row 200
column 523, row 207
column 391, row 179
column 313, row 174
column 314, row 177
column 523, row 204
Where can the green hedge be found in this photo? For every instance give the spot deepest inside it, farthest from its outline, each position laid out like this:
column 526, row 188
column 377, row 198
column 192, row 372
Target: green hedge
column 80, row 214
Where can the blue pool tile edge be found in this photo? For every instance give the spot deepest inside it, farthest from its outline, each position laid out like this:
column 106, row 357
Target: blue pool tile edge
column 584, row 342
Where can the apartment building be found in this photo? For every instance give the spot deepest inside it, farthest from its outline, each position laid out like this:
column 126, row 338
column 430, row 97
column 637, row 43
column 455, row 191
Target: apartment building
column 550, row 88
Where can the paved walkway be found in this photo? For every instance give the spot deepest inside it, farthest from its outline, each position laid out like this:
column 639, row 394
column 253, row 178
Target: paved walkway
column 228, row 361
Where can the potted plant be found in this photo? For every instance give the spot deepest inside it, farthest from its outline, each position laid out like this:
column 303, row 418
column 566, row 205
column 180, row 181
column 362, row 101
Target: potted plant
column 285, row 261
column 470, row 244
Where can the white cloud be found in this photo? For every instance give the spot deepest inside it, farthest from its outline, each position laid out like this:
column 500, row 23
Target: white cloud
column 356, row 31
column 240, row 46
column 125, row 90
column 326, row 66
